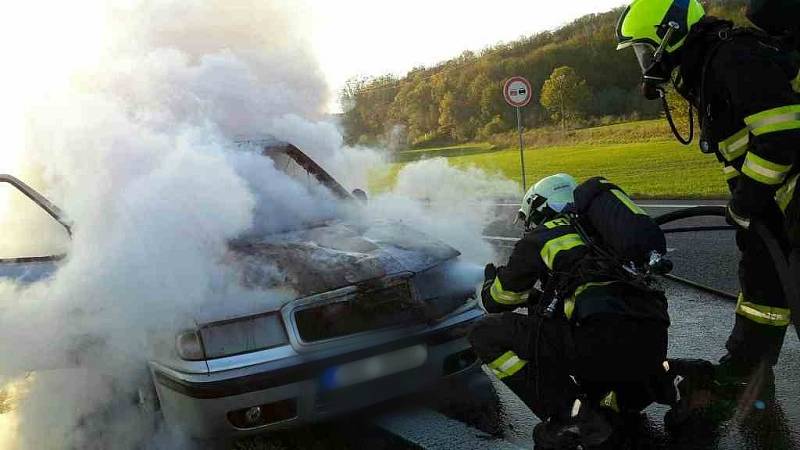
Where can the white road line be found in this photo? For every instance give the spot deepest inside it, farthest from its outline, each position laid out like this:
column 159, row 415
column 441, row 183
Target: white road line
column 500, row 238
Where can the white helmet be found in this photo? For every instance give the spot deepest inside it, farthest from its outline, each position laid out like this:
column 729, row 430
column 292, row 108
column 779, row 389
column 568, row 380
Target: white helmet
column 547, row 198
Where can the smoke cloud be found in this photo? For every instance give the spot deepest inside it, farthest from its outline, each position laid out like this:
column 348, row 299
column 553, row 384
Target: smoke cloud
column 452, row 204
column 139, row 147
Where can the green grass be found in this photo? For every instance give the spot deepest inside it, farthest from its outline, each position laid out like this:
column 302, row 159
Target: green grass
column 662, row 169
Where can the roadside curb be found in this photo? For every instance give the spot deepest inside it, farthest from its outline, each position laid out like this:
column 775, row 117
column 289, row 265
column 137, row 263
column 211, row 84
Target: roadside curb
column 429, row 429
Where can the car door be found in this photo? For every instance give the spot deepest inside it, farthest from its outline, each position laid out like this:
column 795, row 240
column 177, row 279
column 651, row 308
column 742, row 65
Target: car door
column 34, row 233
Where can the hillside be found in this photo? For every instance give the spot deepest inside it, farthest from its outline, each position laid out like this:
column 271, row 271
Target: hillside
column 460, row 99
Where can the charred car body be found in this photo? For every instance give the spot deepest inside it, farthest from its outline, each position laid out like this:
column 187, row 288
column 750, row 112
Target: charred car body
column 372, row 315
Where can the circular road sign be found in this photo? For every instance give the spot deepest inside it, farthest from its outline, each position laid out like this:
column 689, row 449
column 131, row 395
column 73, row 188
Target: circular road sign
column 517, row 91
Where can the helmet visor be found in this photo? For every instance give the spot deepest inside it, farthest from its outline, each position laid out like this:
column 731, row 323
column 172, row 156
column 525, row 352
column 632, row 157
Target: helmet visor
column 644, row 54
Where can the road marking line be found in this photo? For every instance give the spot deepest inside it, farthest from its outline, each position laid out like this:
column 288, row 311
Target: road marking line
column 501, row 238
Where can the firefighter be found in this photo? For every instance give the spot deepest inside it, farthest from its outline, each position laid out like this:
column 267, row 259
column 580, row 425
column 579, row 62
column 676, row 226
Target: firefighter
column 739, row 81
column 593, row 347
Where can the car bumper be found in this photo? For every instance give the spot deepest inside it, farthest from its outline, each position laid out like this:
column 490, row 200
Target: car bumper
column 290, row 394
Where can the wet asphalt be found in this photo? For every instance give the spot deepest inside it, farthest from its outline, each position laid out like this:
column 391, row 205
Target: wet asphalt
column 700, row 325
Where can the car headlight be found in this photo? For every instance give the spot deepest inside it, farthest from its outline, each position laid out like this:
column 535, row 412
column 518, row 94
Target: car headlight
column 190, row 348
column 233, row 337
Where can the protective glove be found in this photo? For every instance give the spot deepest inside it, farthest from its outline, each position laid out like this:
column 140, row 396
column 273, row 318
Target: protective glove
column 735, row 217
column 489, row 274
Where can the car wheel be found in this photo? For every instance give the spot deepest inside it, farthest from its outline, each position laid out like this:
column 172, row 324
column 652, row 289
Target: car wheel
column 473, row 400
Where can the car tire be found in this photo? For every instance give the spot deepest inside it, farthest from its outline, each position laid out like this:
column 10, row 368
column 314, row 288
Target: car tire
column 473, row 400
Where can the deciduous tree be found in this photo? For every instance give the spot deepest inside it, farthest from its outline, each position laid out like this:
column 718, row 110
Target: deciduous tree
column 565, row 95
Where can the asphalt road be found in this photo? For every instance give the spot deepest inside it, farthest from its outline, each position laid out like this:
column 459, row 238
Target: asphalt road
column 700, row 325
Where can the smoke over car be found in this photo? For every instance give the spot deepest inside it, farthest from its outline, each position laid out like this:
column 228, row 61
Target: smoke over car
column 140, row 148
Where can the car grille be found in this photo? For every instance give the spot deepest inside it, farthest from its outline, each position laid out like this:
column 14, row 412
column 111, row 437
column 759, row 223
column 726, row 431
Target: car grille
column 371, row 307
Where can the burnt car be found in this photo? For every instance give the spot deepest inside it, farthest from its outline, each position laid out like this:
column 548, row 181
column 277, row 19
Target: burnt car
column 371, row 314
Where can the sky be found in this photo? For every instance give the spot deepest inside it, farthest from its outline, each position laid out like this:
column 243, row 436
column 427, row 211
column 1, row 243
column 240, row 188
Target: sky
column 363, row 37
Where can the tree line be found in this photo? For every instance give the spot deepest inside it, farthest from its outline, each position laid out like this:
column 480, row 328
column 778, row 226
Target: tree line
column 577, row 75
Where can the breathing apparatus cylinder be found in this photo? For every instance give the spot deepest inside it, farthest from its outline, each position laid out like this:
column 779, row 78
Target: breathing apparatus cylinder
column 614, row 221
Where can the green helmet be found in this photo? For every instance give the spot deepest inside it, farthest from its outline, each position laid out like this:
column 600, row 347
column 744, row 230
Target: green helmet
column 547, row 198
column 645, row 23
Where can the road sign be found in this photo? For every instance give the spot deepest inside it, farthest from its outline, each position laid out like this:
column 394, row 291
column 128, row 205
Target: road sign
column 517, row 91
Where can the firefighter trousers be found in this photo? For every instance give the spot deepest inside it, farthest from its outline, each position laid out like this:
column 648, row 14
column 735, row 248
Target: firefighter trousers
column 762, row 313
column 548, row 363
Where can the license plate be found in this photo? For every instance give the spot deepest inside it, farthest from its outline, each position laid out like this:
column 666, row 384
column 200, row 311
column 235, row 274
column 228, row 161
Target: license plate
column 374, row 367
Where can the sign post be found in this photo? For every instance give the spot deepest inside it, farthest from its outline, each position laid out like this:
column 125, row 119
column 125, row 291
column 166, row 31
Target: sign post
column 517, row 92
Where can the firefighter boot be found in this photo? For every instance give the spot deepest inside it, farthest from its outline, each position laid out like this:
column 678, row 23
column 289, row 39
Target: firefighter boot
column 744, row 388
column 582, row 427
column 753, row 349
column 691, row 383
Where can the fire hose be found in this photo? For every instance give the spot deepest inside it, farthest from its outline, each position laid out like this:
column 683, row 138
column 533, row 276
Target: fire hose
column 787, row 267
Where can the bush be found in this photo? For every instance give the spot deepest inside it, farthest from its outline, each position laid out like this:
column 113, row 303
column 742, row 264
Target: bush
column 431, row 139
column 495, row 126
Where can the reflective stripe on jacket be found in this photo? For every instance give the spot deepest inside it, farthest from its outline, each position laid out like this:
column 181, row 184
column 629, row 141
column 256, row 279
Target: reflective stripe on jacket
column 751, row 112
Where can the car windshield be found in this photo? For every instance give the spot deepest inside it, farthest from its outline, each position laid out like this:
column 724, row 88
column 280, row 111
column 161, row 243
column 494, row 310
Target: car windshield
column 28, row 229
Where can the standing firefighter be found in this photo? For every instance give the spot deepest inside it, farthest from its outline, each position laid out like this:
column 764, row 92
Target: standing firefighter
column 740, row 82
column 594, row 341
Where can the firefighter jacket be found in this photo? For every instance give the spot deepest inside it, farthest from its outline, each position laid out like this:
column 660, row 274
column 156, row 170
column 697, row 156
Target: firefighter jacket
column 740, row 80
column 556, row 252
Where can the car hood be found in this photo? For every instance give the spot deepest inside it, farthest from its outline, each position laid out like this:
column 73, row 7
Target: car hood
column 335, row 255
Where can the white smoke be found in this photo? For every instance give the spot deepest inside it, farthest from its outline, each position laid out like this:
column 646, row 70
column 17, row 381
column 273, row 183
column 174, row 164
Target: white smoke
column 139, row 148
column 452, row 204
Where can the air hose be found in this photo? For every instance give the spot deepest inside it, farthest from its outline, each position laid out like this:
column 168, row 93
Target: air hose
column 672, row 126
column 787, row 270
column 686, row 213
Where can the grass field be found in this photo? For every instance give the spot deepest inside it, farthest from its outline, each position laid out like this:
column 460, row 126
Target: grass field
column 651, row 169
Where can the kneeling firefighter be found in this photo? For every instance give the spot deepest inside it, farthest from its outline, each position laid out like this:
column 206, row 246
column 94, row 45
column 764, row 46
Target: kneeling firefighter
column 594, row 341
